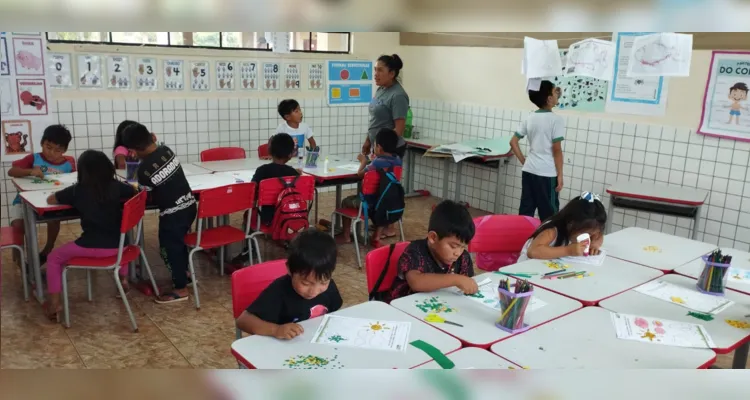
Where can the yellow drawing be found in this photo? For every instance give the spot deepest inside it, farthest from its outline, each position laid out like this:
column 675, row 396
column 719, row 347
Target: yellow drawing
column 738, row 324
column 652, row 249
column 677, row 300
column 336, row 93
column 555, row 265
column 648, row 335
column 377, row 327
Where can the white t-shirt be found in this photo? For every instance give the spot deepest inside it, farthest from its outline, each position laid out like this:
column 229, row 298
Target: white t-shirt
column 543, row 129
column 300, row 134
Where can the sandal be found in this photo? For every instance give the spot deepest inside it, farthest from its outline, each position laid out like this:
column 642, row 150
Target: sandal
column 387, row 236
column 170, row 297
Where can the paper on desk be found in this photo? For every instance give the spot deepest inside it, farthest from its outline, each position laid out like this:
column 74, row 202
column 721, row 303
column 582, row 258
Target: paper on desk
column 488, row 297
column 483, row 282
column 67, row 179
column 739, row 275
column 363, row 333
column 209, row 181
column 596, row 260
column 688, row 298
column 245, row 175
column 660, row 331
column 349, row 167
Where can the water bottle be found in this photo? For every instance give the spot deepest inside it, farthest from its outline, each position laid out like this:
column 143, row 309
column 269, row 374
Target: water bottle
column 408, row 128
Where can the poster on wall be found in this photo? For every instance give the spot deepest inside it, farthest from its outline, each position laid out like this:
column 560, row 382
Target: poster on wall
column 200, row 79
column 350, row 83
column 224, row 75
column 118, row 71
column 580, row 93
column 90, row 71
column 633, row 95
column 4, row 60
column 6, row 98
column 315, row 76
column 27, row 53
column 292, row 76
column 174, row 78
column 145, row 74
column 32, row 97
column 726, row 110
column 249, row 75
column 59, row 70
column 17, row 141
column 271, row 76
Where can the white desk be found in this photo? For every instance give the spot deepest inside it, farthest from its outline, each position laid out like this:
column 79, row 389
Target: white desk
column 192, row 169
column 586, row 339
column 245, row 175
column 199, row 183
column 726, row 337
column 472, row 358
column 612, row 277
column 333, row 172
column 268, row 353
column 58, row 182
column 657, row 198
column 478, row 320
column 740, row 259
column 233, row 165
column 670, row 252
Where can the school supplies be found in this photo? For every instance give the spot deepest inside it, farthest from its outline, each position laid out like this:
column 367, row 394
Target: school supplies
column 526, row 275
column 714, row 277
column 363, row 333
column 488, row 297
column 483, row 282
column 549, row 274
column 687, row 298
column 436, row 319
column 513, row 305
column 312, row 156
column 585, row 238
column 659, row 331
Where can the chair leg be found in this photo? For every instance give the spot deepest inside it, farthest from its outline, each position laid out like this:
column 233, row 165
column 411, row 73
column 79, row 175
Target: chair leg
column 333, row 224
column 195, row 278
column 356, row 241
column 88, row 285
column 125, row 299
column 24, row 276
column 257, row 248
column 221, row 261
column 144, row 260
column 401, row 228
column 66, row 309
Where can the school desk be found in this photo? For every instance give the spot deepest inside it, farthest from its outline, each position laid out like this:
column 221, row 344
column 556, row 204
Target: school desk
column 740, row 260
column 334, row 175
column 657, row 198
column 612, row 277
column 264, row 352
column 233, row 165
column 653, row 249
column 420, row 146
column 478, row 320
column 473, row 358
column 56, row 182
column 587, row 339
column 726, row 337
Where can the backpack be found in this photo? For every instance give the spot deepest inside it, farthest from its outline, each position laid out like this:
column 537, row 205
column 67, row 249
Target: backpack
column 389, row 207
column 290, row 216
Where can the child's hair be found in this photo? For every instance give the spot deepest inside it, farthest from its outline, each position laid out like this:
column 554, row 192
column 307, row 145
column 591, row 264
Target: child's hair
column 452, row 219
column 539, row 97
column 287, row 107
column 393, row 62
column 57, row 134
column 387, row 139
column 281, row 146
column 119, row 132
column 738, row 86
column 136, row 136
column 583, row 213
column 95, row 172
column 312, row 251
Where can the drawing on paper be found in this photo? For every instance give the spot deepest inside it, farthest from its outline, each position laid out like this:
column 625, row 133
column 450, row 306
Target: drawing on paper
column 312, row 362
column 652, row 249
column 336, row 338
column 739, row 275
column 6, row 97
column 16, row 137
column 670, row 333
column 591, row 57
column 362, row 333
column 487, row 295
column 737, row 94
column 661, row 54
column 582, row 93
column 556, row 265
column 434, row 305
column 541, row 58
column 738, row 324
column 16, row 142
column 688, row 298
column 4, row 60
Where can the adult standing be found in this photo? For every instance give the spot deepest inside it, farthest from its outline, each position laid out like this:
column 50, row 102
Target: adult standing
column 390, row 104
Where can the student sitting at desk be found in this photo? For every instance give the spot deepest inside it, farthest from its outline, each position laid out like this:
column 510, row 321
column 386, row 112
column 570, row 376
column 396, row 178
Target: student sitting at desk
column 292, row 125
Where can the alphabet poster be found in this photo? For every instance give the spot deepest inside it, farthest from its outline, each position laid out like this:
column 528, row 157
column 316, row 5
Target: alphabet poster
column 6, row 98
column 118, row 71
column 726, row 109
column 145, row 74
column 249, row 75
column 27, row 53
column 59, row 70
column 16, row 141
column 4, row 60
column 200, row 80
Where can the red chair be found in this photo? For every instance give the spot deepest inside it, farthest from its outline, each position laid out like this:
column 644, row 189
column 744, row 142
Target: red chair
column 13, row 239
column 132, row 217
column 263, row 152
column 370, row 186
column 223, row 154
column 217, row 202
column 375, row 262
column 248, row 283
column 499, row 239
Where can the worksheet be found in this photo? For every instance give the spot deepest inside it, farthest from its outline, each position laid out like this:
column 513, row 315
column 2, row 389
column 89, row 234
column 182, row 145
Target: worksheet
column 590, row 260
column 660, row 331
column 661, row 54
column 737, row 275
column 688, row 298
column 363, row 333
column 488, row 296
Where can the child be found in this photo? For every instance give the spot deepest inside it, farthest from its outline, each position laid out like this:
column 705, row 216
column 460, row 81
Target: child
column 98, row 198
column 737, row 93
column 293, row 126
column 542, row 177
column 441, row 260
column 386, row 142
column 120, row 153
column 308, row 291
column 556, row 237
column 52, row 160
column 160, row 173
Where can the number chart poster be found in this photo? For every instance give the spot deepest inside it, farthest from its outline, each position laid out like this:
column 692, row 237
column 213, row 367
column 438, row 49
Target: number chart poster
column 350, row 83
column 726, row 109
column 580, row 93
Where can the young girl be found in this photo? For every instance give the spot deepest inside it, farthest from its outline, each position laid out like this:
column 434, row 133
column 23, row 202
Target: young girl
column 556, row 237
column 120, row 153
column 98, row 197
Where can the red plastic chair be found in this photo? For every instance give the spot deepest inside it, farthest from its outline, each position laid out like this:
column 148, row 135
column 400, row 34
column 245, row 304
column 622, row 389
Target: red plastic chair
column 132, row 217
column 13, row 239
column 223, row 154
column 263, row 152
column 217, row 202
column 248, row 283
column 499, row 239
column 375, row 262
column 370, row 186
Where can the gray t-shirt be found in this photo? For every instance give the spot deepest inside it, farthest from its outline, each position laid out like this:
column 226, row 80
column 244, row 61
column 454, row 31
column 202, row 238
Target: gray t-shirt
column 389, row 104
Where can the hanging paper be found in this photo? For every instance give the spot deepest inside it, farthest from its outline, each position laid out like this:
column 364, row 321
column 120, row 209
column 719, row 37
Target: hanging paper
column 315, row 76
column 59, row 70
column 249, row 75
column 661, row 54
column 4, row 60
column 580, row 93
column 224, row 75
column 118, row 72
column 726, row 109
column 688, row 298
column 32, row 97
column 271, row 76
column 280, row 41
column 145, row 74
column 660, row 331
column 17, row 141
column 200, row 78
column 6, row 98
column 174, row 78
column 362, row 333
column 591, row 57
column 292, row 77
column 541, row 58
column 90, row 71
column 533, row 84
column 27, row 53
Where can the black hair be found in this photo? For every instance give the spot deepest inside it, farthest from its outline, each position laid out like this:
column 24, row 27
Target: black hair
column 136, row 136
column 120, row 130
column 281, row 146
column 393, row 63
column 539, row 97
column 287, row 107
column 577, row 216
column 312, row 251
column 452, row 219
column 95, row 173
column 739, row 86
column 387, row 139
column 57, row 134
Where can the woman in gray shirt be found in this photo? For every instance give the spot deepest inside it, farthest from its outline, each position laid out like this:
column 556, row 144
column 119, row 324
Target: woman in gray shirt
column 389, row 106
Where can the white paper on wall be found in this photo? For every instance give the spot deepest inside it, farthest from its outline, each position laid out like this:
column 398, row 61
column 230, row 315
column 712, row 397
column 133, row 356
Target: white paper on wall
column 90, row 71
column 59, row 70
column 591, row 57
column 200, row 78
column 146, row 74
column 271, row 76
column 27, row 53
column 225, row 75
column 541, row 58
column 174, row 75
column 249, row 75
column 315, row 76
column 118, row 72
column 661, row 54
column 292, row 76
column 32, row 96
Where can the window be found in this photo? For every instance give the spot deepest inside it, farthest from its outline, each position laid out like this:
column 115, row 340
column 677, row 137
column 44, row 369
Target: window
column 323, row 42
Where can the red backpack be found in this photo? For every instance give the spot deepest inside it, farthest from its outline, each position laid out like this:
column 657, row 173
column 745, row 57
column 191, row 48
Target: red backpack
column 290, row 216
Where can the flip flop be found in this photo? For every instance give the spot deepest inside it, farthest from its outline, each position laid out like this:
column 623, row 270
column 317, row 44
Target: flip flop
column 384, row 236
column 172, row 298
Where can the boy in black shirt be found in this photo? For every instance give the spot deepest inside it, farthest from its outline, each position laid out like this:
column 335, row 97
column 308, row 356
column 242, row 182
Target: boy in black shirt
column 161, row 174
column 308, row 291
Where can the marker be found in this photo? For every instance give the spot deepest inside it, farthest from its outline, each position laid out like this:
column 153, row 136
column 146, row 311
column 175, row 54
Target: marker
column 559, row 271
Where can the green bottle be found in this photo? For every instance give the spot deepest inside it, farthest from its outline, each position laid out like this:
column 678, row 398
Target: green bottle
column 407, row 130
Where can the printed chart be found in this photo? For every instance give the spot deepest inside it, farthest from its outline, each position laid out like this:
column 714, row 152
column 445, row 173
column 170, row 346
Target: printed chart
column 350, row 83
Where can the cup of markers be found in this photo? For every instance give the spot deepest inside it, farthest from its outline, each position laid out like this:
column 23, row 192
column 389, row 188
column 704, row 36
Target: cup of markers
column 715, row 273
column 131, row 168
column 312, row 157
column 513, row 303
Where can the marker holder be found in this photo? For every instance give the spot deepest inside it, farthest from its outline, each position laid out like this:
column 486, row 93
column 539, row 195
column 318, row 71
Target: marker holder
column 312, row 159
column 511, row 321
column 714, row 277
column 131, row 168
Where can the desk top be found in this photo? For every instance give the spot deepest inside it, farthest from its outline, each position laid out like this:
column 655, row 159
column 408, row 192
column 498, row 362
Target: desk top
column 654, row 249
column 38, row 201
column 740, row 260
column 659, row 192
column 426, row 143
column 337, row 169
column 232, row 165
column 52, row 182
column 473, row 358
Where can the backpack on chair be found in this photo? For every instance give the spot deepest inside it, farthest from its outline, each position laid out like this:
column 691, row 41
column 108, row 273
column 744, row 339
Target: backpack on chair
column 291, row 214
column 389, row 206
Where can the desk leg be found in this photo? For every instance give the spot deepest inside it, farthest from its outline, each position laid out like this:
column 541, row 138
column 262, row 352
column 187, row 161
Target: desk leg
column 498, row 196
column 457, row 194
column 410, row 171
column 610, row 209
column 33, row 251
column 338, row 204
column 446, row 172
column 696, row 220
column 740, row 356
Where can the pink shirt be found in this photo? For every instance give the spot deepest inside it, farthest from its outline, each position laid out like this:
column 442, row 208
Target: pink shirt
column 121, row 151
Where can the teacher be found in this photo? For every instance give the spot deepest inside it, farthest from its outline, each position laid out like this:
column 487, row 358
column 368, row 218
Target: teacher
column 390, row 104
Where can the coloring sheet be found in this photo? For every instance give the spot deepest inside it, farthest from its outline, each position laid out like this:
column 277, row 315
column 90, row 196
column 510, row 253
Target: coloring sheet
column 591, row 57
column 739, row 275
column 726, row 109
column 200, row 79
column 67, row 179
column 541, row 58
column 349, row 167
column 90, row 71
column 4, row 59
column 363, row 333
column 660, row 331
column 597, row 260
column 483, row 282
column 661, row 54
column 292, row 76
column 224, row 75
column 32, row 97
column 17, row 140
column 271, row 76
column 249, row 75
column 488, row 296
column 688, row 298
column 315, row 76
column 59, row 70
column 6, row 98
column 174, row 78
column 118, row 71
column 27, row 53
column 146, row 74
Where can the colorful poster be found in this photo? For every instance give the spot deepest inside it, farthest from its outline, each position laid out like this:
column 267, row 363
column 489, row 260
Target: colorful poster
column 315, row 76
column 118, row 72
column 32, row 97
column 726, row 109
column 174, row 78
column 292, row 76
column 350, row 83
column 249, row 75
column 27, row 53
column 145, row 74
column 59, row 70
column 580, row 93
column 4, row 60
column 200, row 80
column 271, row 76
column 224, row 75
column 17, row 141
column 6, row 98
column 90, row 71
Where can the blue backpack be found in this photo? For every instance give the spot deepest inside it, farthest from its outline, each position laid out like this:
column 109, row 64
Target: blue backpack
column 389, row 207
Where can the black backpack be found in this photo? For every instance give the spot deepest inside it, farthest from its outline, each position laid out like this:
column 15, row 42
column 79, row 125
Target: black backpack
column 389, row 206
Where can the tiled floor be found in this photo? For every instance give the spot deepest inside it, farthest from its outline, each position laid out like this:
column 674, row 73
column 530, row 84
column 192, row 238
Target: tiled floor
column 170, row 336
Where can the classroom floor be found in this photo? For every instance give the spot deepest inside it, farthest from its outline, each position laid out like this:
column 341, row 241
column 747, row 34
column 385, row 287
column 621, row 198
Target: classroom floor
column 170, row 336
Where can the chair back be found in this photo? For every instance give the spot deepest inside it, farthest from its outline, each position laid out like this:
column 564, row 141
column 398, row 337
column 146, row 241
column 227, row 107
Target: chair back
column 371, row 181
column 132, row 212
column 269, row 191
column 223, row 154
column 225, row 200
column 249, row 282
column 502, row 233
column 375, row 262
column 263, row 151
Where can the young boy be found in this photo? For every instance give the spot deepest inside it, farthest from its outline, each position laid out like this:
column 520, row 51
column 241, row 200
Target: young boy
column 542, row 177
column 292, row 125
column 307, row 291
column 386, row 142
column 161, row 174
column 441, row 260
column 52, row 160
